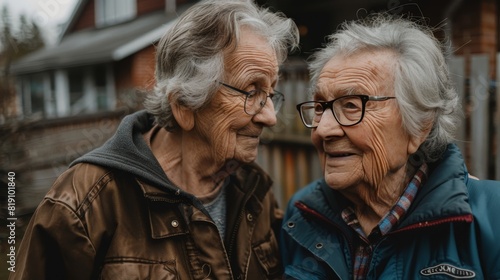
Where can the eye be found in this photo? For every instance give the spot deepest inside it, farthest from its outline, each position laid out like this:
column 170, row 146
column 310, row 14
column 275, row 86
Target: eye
column 318, row 108
column 350, row 103
column 253, row 93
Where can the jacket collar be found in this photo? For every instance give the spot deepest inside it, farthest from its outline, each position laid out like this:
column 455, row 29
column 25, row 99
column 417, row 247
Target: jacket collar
column 446, row 183
column 170, row 213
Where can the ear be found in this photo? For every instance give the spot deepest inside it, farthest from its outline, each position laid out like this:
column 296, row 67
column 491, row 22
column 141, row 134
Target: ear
column 183, row 115
column 415, row 141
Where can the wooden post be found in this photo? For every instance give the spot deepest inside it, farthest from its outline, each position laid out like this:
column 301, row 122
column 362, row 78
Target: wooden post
column 456, row 66
column 497, row 121
column 479, row 99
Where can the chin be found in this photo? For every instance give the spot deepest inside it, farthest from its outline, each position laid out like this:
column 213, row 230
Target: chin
column 247, row 157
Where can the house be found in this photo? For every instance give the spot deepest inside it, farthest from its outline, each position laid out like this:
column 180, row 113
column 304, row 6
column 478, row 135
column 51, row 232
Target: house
column 72, row 96
column 104, row 56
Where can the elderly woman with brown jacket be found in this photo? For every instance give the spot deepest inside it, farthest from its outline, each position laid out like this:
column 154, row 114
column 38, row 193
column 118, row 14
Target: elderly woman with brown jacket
column 175, row 193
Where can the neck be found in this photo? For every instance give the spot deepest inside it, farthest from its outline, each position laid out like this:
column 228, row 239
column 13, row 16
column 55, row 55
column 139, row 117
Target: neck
column 188, row 166
column 373, row 201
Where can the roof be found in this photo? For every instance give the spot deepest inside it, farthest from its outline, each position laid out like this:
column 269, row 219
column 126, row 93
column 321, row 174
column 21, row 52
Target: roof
column 94, row 46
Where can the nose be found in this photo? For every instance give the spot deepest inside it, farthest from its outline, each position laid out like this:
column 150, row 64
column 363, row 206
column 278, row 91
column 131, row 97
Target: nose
column 266, row 116
column 328, row 126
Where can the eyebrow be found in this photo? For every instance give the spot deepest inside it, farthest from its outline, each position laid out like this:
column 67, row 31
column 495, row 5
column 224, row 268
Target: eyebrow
column 318, row 93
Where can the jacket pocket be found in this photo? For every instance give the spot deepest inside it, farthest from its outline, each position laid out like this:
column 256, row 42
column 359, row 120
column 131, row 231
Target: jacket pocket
column 139, row 269
column 268, row 256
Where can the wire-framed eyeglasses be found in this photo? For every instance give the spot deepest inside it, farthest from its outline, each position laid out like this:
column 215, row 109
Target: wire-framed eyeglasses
column 348, row 110
column 256, row 99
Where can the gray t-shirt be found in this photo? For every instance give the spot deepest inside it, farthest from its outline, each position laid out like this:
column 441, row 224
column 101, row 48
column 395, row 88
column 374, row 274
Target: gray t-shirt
column 217, row 210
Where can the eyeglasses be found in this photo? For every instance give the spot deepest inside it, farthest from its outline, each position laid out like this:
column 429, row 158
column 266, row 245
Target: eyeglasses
column 256, row 99
column 348, row 110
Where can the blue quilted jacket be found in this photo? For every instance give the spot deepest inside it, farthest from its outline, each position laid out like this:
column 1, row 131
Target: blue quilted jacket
column 451, row 231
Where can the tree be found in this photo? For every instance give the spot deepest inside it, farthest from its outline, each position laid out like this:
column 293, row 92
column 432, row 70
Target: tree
column 14, row 45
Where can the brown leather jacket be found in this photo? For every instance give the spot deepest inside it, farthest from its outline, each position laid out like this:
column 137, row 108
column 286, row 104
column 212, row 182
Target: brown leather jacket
column 102, row 223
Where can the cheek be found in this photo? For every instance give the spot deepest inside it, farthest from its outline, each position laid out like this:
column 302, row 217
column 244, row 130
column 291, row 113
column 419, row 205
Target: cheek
column 384, row 151
column 317, row 142
column 374, row 144
column 216, row 123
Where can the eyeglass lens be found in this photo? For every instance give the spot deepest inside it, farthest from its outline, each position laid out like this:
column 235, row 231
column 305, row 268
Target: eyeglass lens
column 255, row 101
column 347, row 110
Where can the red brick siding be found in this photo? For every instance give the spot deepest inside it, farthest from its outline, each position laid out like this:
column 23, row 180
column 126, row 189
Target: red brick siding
column 143, row 68
column 123, row 74
column 475, row 31
column 134, row 77
column 147, row 6
column 87, row 17
column 136, row 71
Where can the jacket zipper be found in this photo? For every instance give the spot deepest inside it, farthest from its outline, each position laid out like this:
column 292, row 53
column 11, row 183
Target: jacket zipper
column 462, row 218
column 239, row 219
column 162, row 199
column 303, row 207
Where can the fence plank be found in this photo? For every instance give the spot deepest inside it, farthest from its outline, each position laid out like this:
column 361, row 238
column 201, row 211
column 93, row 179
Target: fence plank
column 479, row 98
column 497, row 121
column 456, row 66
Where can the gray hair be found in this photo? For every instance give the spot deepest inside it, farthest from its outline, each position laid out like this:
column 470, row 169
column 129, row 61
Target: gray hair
column 422, row 85
column 190, row 56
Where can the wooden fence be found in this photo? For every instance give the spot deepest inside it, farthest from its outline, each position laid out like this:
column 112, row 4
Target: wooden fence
column 478, row 135
column 39, row 151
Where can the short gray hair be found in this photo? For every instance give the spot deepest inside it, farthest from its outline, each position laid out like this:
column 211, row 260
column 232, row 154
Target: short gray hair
column 190, row 56
column 423, row 87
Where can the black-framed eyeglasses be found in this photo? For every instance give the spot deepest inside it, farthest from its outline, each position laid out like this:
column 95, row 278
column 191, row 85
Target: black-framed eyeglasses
column 256, row 99
column 348, row 110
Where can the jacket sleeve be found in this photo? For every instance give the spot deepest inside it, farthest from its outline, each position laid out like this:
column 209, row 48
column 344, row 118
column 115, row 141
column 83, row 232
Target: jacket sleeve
column 55, row 245
column 484, row 196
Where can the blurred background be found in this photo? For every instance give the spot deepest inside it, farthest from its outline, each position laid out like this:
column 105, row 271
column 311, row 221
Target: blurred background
column 71, row 69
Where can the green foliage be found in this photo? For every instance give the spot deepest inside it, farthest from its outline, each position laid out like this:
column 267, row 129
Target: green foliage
column 14, row 44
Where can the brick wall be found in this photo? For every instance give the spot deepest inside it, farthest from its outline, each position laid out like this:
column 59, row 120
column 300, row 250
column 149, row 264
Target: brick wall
column 136, row 71
column 87, row 18
column 147, row 6
column 475, row 31
column 134, row 77
column 143, row 67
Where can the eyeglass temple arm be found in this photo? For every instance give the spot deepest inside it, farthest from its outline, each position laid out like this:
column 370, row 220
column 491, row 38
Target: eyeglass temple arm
column 233, row 88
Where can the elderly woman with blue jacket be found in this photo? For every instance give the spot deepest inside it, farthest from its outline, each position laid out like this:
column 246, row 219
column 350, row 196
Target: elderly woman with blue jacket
column 396, row 200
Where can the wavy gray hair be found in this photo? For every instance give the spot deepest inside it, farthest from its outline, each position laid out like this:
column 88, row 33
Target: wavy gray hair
column 422, row 84
column 190, row 56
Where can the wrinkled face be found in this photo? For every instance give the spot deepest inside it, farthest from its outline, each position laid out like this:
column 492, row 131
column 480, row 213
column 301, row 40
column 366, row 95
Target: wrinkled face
column 376, row 148
column 229, row 131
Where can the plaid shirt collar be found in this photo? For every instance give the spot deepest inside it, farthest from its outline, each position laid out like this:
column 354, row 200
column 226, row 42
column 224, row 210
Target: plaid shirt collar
column 363, row 252
column 398, row 210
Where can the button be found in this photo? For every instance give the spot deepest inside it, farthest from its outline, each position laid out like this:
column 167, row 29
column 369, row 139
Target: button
column 319, row 245
column 175, row 223
column 291, row 224
column 249, row 217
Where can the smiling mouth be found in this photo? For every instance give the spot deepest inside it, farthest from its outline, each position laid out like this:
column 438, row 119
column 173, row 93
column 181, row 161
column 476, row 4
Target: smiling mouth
column 251, row 136
column 339, row 155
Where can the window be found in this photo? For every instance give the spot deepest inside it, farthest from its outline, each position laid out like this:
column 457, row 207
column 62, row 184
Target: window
column 67, row 92
column 100, row 78
column 36, row 96
column 110, row 12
